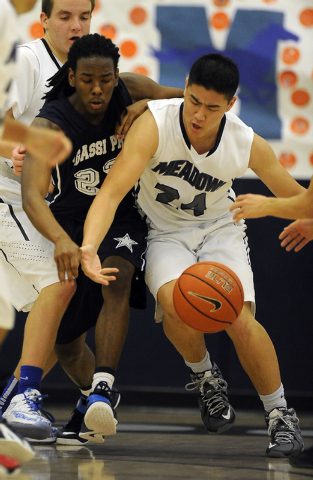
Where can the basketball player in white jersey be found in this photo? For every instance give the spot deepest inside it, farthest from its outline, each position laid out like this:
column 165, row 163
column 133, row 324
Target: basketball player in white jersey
column 186, row 154
column 13, row 448
column 26, row 257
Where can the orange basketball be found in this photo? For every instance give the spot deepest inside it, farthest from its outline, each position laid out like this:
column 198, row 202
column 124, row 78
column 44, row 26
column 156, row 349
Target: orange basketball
column 208, row 296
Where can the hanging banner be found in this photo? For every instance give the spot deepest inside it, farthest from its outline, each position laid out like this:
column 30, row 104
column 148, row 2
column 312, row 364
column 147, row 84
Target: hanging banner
column 270, row 40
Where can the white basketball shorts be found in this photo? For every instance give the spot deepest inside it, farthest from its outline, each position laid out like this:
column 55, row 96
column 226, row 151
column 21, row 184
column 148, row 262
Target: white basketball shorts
column 222, row 241
column 27, row 263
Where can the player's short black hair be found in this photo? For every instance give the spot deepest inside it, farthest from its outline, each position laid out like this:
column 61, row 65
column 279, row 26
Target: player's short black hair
column 88, row 46
column 213, row 71
column 47, row 6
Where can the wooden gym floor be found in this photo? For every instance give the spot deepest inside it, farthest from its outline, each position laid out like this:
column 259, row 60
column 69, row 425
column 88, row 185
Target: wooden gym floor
column 168, row 443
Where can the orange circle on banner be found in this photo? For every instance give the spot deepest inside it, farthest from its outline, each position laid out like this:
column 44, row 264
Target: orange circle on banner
column 306, row 17
column 288, row 160
column 311, row 159
column 138, row 15
column 221, row 3
column 109, row 31
column 220, row 21
column 36, row 30
column 269, row 1
column 141, row 70
column 97, row 6
column 287, row 79
column 290, row 55
column 300, row 125
column 300, row 98
column 128, row 48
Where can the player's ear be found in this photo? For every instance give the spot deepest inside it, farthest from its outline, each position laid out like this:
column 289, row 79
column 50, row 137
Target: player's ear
column 71, row 77
column 186, row 85
column 231, row 103
column 43, row 20
column 117, row 74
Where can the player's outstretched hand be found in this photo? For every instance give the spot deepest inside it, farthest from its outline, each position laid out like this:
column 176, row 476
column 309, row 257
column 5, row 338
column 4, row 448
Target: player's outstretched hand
column 92, row 267
column 67, row 257
column 296, row 235
column 48, row 145
column 248, row 206
column 133, row 111
column 17, row 158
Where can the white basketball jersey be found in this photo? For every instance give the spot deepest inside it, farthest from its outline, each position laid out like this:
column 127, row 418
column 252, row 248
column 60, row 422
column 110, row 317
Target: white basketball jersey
column 179, row 187
column 35, row 65
column 8, row 44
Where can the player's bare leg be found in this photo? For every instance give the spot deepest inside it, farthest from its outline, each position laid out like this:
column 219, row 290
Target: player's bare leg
column 256, row 352
column 216, row 412
column 110, row 334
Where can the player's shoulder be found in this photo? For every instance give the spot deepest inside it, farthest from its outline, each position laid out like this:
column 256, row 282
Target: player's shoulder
column 32, row 50
column 234, row 122
column 165, row 104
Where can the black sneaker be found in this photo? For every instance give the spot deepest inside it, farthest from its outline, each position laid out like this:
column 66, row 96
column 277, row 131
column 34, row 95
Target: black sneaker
column 100, row 417
column 69, row 434
column 216, row 412
column 285, row 433
column 303, row 459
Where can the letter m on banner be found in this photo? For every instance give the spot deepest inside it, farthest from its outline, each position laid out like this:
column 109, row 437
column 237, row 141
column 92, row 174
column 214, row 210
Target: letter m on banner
column 251, row 43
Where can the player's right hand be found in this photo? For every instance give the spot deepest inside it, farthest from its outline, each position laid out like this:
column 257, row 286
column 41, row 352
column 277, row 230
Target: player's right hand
column 17, row 158
column 92, row 267
column 67, row 258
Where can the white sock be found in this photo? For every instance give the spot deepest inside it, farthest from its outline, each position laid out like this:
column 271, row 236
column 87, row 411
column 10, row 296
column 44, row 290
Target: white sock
column 202, row 366
column 274, row 400
column 102, row 377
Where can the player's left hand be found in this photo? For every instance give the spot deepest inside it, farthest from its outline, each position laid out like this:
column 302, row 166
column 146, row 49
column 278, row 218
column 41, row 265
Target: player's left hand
column 92, row 267
column 248, row 206
column 133, row 111
column 296, row 235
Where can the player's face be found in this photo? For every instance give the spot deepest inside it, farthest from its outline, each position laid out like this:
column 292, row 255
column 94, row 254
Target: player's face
column 94, row 81
column 69, row 20
column 203, row 112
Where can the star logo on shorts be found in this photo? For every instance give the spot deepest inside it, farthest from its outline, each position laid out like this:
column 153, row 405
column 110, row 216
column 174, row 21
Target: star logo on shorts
column 125, row 241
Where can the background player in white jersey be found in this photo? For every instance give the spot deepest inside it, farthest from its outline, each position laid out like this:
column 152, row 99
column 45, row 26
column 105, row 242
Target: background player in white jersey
column 13, row 448
column 186, row 154
column 27, row 260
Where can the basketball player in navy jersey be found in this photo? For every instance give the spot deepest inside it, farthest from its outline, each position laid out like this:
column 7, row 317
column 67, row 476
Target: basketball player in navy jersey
column 186, row 154
column 87, row 100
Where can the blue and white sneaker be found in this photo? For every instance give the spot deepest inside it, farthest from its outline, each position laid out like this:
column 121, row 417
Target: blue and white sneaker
column 25, row 414
column 100, row 417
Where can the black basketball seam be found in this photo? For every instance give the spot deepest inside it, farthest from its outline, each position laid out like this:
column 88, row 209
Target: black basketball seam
column 193, row 306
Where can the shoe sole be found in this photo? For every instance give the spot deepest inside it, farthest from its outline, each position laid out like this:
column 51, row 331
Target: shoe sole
column 72, row 441
column 32, row 431
column 100, row 419
column 16, row 449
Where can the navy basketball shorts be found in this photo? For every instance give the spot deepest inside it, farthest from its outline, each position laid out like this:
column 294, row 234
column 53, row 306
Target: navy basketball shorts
column 126, row 239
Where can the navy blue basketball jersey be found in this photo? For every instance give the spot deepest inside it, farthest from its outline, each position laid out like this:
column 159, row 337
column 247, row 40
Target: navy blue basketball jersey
column 79, row 178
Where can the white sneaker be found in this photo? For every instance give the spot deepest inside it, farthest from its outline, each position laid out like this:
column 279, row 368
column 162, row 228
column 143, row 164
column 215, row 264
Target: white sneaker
column 14, row 445
column 24, row 414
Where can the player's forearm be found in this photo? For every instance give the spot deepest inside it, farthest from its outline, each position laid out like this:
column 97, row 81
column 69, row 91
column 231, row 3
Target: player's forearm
column 42, row 218
column 300, row 206
column 14, row 131
column 98, row 221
